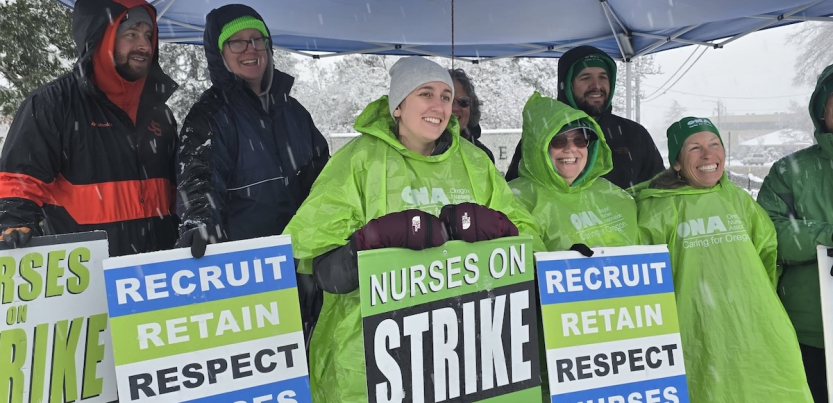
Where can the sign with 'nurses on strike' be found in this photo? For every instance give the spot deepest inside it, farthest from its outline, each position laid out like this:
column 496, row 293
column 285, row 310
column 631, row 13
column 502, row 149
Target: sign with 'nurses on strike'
column 54, row 335
column 455, row 323
column 225, row 327
column 610, row 326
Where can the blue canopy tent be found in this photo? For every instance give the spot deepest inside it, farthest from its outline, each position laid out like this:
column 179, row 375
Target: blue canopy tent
column 488, row 29
column 482, row 30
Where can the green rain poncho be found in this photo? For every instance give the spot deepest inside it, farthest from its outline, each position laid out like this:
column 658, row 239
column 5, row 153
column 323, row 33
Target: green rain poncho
column 798, row 195
column 738, row 343
column 592, row 211
column 371, row 176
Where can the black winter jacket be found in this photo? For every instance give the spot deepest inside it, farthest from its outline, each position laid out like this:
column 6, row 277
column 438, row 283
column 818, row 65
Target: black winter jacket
column 73, row 161
column 635, row 156
column 243, row 170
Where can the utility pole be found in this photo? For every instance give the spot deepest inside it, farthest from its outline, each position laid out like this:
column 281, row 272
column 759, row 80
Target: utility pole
column 628, row 97
column 637, row 100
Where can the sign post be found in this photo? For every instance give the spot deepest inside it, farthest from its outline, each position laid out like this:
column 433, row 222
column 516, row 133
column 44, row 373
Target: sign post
column 225, row 327
column 825, row 259
column 54, row 335
column 452, row 323
column 610, row 326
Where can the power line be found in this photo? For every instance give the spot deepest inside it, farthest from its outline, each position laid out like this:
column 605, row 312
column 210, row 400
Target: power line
column 726, row 97
column 675, row 73
column 681, row 76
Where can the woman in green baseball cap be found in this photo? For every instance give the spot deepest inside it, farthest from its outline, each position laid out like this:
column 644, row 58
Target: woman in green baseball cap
column 738, row 343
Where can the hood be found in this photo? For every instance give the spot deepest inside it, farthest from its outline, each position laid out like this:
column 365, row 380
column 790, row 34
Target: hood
column 543, row 119
column 376, row 121
column 566, row 61
column 824, row 85
column 90, row 18
column 219, row 73
column 644, row 192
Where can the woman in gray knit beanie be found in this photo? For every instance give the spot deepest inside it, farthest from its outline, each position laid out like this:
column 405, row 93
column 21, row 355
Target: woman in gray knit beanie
column 420, row 101
column 408, row 181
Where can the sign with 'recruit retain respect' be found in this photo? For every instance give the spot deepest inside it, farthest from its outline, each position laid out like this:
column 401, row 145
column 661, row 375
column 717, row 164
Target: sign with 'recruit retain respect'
column 610, row 326
column 222, row 328
column 455, row 323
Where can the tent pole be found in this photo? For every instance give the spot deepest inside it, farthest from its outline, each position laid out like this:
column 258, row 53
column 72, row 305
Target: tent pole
column 164, row 10
column 770, row 22
column 628, row 89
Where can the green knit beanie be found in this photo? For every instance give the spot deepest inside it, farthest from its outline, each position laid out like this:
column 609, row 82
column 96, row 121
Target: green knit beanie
column 592, row 60
column 679, row 131
column 239, row 24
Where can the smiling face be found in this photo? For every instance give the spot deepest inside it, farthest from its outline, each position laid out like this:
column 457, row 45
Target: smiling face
column 701, row 160
column 423, row 116
column 133, row 52
column 569, row 161
column 249, row 65
column 591, row 87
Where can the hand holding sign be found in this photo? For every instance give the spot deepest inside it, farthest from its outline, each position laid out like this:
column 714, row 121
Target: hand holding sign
column 472, row 222
column 412, row 229
column 17, row 237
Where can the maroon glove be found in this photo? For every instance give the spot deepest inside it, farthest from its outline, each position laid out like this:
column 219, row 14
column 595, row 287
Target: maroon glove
column 412, row 229
column 472, row 222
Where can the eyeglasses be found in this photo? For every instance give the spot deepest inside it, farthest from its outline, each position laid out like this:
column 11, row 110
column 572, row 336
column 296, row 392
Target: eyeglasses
column 241, row 45
column 464, row 102
column 560, row 141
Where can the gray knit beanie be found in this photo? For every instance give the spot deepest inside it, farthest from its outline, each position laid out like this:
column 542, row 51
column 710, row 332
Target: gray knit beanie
column 134, row 16
column 408, row 73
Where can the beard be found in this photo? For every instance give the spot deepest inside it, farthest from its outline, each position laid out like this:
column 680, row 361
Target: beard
column 592, row 110
column 128, row 72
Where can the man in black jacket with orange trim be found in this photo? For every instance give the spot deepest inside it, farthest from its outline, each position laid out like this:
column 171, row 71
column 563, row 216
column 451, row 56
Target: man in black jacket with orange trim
column 586, row 81
column 94, row 149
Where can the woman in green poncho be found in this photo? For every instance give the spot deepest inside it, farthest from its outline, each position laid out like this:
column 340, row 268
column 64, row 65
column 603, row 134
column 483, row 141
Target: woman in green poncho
column 387, row 188
column 738, row 343
column 560, row 179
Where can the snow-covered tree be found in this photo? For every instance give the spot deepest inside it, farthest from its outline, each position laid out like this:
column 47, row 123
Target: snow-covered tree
column 816, row 52
column 36, row 47
column 675, row 113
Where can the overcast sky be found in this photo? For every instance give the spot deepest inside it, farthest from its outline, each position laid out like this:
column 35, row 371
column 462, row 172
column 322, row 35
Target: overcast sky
column 751, row 75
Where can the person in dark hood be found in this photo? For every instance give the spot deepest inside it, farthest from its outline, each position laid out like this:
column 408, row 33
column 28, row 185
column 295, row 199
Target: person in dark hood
column 248, row 152
column 586, row 81
column 796, row 194
column 94, row 149
column 466, row 107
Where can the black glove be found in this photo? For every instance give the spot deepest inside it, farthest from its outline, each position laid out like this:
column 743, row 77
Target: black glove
column 17, row 237
column 472, row 222
column 583, row 249
column 412, row 229
column 197, row 239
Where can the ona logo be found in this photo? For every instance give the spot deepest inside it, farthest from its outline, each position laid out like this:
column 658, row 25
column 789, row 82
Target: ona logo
column 698, row 227
column 699, row 122
column 420, row 197
column 585, row 219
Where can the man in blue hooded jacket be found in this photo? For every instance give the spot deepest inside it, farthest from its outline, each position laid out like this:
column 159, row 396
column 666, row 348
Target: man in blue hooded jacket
column 248, row 152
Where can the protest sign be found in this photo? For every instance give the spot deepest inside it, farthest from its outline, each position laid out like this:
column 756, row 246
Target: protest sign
column 610, row 326
column 453, row 323
column 54, row 335
column 825, row 259
column 225, row 327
